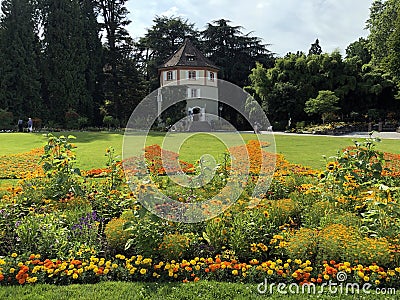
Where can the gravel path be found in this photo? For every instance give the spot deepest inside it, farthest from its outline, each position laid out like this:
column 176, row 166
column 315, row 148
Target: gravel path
column 382, row 135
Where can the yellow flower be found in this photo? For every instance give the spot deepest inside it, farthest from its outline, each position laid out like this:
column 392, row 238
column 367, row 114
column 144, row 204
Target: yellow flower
column 366, row 278
column 331, row 166
column 326, row 277
column 143, row 271
column 75, row 276
column 32, row 279
column 14, row 255
column 270, row 272
column 12, row 270
column 235, row 272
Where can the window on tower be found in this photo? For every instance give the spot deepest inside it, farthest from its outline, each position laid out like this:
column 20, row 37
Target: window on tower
column 212, row 76
column 192, row 75
column 170, row 75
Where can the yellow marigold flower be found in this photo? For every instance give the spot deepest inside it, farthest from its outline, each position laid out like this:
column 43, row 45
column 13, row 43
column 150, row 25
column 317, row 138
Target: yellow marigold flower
column 20, row 264
column 37, row 256
column 12, row 270
column 197, row 267
column 326, row 277
column 366, row 278
column 114, row 266
column 278, row 261
column 105, row 272
column 143, row 271
column 235, row 272
column 270, row 272
column 377, row 282
column 75, row 276
column 360, row 274
column 32, row 279
column 14, row 255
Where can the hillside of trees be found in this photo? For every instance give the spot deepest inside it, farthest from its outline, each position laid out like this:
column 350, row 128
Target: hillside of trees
column 73, row 64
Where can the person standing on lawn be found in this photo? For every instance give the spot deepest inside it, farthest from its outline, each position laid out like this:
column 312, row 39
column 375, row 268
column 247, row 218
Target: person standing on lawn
column 20, row 125
column 30, row 125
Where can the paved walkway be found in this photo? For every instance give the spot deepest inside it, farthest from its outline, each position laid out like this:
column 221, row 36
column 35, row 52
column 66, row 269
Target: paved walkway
column 382, row 135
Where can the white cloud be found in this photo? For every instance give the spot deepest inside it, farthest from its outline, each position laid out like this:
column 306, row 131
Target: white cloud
column 171, row 12
column 289, row 25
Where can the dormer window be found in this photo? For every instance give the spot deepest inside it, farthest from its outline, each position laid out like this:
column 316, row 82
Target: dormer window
column 170, row 75
column 190, row 57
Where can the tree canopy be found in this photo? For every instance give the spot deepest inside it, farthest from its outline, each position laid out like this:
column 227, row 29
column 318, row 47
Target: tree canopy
column 73, row 63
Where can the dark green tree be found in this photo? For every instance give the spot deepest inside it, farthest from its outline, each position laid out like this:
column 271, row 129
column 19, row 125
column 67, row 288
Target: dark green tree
column 324, row 104
column 94, row 67
column 315, row 48
column 359, row 49
column 19, row 56
column 160, row 42
column 381, row 24
column 118, row 52
column 234, row 52
column 65, row 59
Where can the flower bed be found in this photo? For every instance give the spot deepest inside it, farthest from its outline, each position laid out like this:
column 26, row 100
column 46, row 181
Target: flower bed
column 308, row 227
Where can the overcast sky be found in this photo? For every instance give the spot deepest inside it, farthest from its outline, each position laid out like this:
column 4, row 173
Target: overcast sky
column 288, row 25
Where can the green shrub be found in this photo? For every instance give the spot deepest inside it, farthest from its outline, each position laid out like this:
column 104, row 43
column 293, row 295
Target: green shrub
column 174, row 246
column 303, row 244
column 116, row 236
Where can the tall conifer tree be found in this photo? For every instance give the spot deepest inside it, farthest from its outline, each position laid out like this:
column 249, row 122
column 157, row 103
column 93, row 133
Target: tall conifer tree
column 19, row 52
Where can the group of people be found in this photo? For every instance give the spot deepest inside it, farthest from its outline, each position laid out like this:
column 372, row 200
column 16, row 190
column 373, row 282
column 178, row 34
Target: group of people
column 21, row 125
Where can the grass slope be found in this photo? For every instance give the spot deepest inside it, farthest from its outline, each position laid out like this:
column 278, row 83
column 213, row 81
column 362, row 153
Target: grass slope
column 305, row 150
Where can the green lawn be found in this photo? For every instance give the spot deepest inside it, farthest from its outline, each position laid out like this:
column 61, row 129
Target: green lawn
column 165, row 291
column 306, row 150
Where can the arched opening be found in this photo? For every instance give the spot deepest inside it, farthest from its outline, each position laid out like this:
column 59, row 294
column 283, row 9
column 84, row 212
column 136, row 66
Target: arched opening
column 196, row 113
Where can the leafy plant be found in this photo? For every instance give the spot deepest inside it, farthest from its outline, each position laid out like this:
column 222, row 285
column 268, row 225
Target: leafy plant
column 58, row 163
